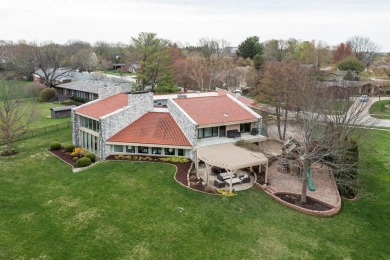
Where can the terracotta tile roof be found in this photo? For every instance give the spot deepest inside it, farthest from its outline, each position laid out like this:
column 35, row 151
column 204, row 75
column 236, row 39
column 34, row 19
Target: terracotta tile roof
column 105, row 106
column 214, row 110
column 152, row 128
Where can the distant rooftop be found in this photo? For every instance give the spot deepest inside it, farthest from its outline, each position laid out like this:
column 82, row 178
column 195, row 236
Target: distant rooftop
column 92, row 86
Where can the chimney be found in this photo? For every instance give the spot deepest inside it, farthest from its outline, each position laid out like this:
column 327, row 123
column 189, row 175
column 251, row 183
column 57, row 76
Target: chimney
column 237, row 93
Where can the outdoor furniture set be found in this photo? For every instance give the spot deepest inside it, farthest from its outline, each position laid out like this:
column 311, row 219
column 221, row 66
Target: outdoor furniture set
column 223, row 179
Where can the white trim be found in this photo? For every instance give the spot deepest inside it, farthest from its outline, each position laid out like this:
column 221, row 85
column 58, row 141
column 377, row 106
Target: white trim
column 151, row 145
column 229, row 123
column 89, row 131
column 87, row 116
column 244, row 106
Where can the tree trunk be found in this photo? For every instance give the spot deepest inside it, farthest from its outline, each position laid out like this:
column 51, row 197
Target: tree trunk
column 277, row 110
column 304, row 179
column 285, row 124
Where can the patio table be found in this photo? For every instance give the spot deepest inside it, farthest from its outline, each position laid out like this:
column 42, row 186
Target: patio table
column 235, row 180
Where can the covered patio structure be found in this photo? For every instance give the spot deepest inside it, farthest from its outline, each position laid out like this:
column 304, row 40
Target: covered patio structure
column 231, row 158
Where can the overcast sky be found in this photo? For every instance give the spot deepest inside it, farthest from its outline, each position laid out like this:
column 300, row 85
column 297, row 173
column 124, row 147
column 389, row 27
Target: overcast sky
column 187, row 21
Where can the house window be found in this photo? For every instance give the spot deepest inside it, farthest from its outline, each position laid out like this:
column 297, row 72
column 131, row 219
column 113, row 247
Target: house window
column 180, row 152
column 156, row 150
column 169, row 151
column 143, row 149
column 90, row 96
column 207, row 132
column 246, row 127
column 130, row 149
column 118, row 148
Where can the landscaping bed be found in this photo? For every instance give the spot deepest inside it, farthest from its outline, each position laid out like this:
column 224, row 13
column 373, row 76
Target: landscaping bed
column 64, row 156
column 310, row 204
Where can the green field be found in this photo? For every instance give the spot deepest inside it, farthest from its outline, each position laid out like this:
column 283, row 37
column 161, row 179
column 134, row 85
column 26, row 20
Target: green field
column 130, row 210
column 378, row 109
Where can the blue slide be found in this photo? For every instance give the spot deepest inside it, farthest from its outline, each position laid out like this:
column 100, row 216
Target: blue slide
column 310, row 181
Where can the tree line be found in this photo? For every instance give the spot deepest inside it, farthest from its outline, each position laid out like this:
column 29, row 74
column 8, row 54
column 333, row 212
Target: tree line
column 159, row 62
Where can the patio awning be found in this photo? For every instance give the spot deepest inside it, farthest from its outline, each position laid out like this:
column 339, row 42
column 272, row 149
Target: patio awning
column 230, row 156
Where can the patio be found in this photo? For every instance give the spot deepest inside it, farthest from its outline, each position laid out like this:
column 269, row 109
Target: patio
column 237, row 187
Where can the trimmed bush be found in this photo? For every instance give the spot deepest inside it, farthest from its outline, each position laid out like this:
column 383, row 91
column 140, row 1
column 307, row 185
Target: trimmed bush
column 55, row 146
column 83, row 162
column 90, row 156
column 47, row 94
column 175, row 159
column 69, row 148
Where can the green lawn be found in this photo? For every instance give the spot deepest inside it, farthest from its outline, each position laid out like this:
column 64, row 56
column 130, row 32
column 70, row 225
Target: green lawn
column 119, row 210
column 44, row 119
column 378, row 109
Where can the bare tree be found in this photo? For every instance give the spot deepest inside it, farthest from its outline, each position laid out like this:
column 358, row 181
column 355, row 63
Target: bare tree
column 328, row 127
column 364, row 49
column 16, row 114
column 50, row 60
column 279, row 85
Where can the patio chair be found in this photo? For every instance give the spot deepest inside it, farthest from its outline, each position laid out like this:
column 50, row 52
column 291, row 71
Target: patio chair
column 245, row 178
column 254, row 131
column 219, row 184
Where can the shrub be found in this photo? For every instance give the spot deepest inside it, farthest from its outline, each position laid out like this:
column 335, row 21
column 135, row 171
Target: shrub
column 80, row 152
column 55, row 146
column 47, row 94
column 91, row 156
column 175, row 159
column 69, row 148
column 83, row 162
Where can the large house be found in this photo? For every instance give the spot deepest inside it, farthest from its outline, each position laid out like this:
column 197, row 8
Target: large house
column 90, row 89
column 171, row 125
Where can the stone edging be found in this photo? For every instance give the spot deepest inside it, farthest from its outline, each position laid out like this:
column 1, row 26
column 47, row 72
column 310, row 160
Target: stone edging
column 333, row 211
column 79, row 169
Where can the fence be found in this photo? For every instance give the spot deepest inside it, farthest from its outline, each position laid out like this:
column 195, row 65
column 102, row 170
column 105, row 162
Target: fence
column 39, row 131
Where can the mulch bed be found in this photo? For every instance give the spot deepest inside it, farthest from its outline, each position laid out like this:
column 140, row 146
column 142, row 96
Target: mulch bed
column 310, row 204
column 65, row 157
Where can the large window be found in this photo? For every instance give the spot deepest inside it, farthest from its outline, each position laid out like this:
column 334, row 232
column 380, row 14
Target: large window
column 246, row 127
column 118, row 148
column 169, row 151
column 156, row 150
column 89, row 142
column 143, row 149
column 90, row 124
column 180, row 152
column 130, row 149
column 207, row 132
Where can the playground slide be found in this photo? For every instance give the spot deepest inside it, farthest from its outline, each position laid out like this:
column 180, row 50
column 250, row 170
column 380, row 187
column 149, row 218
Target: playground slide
column 310, row 181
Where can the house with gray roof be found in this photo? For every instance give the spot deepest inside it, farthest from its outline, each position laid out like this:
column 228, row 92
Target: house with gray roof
column 91, row 89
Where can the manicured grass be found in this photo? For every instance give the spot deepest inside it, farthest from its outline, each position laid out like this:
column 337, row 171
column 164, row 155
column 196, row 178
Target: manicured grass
column 44, row 119
column 378, row 109
column 118, row 210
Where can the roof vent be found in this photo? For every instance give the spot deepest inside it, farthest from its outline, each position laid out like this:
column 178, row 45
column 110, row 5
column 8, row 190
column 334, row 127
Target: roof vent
column 225, row 114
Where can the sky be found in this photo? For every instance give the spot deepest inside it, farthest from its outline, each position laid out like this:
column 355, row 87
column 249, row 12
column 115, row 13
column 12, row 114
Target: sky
column 187, row 21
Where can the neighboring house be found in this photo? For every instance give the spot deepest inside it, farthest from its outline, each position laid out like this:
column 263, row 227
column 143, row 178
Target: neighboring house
column 91, row 89
column 132, row 124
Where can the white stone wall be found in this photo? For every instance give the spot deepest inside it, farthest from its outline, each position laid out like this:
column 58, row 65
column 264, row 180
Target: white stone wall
column 188, row 126
column 111, row 124
column 109, row 91
column 75, row 128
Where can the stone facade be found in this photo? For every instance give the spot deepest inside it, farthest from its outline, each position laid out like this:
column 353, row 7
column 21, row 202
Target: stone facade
column 187, row 125
column 111, row 124
column 109, row 91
